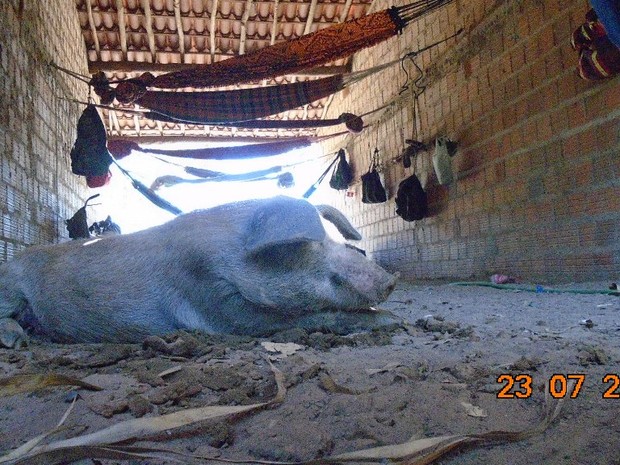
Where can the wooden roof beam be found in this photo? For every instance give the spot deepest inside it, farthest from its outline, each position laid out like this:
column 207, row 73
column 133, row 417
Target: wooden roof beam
column 93, row 29
column 136, row 120
column 244, row 25
column 344, row 14
column 274, row 30
column 180, row 33
column 148, row 25
column 345, row 11
column 115, row 122
column 310, row 18
column 110, row 123
column 274, row 24
column 308, row 26
column 212, row 28
column 122, row 30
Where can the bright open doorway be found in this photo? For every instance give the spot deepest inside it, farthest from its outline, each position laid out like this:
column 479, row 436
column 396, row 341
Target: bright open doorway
column 133, row 212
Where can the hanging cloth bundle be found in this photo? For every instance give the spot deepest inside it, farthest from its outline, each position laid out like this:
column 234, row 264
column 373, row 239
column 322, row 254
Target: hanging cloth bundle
column 121, row 148
column 89, row 155
column 308, row 51
column 372, row 188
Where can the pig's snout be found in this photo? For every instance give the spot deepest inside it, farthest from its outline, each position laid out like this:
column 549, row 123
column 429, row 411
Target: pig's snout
column 389, row 287
column 371, row 286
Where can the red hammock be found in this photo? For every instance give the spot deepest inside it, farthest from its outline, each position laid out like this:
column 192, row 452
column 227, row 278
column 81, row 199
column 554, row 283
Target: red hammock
column 314, row 49
column 238, row 105
column 243, row 105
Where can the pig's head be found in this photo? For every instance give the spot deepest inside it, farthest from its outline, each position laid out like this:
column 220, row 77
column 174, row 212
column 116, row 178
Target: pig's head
column 295, row 267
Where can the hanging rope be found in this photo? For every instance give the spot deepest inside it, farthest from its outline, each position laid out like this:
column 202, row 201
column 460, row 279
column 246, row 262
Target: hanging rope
column 353, row 123
column 149, row 193
column 285, row 179
column 316, row 184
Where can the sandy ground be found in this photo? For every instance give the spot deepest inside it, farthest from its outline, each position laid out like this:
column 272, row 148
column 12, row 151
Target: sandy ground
column 435, row 375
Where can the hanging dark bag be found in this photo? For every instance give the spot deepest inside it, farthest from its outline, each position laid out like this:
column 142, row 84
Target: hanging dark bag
column 343, row 174
column 89, row 155
column 77, row 225
column 411, row 202
column 372, row 188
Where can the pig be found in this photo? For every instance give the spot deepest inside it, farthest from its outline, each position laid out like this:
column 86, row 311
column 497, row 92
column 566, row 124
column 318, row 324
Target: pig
column 248, row 268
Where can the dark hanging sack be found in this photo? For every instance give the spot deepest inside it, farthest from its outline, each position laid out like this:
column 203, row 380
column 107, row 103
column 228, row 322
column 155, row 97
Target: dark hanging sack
column 77, row 225
column 343, row 174
column 90, row 156
column 372, row 188
column 411, row 203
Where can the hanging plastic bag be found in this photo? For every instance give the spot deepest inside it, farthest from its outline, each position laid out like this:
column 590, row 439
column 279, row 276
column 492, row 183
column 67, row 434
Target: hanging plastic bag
column 442, row 160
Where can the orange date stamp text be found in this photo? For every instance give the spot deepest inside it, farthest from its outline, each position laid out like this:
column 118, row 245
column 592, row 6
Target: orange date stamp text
column 560, row 386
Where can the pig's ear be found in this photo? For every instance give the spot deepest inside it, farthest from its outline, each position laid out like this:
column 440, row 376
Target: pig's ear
column 283, row 221
column 336, row 217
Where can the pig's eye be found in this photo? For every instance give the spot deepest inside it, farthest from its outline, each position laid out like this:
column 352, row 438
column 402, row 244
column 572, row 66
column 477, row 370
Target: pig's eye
column 291, row 255
column 336, row 280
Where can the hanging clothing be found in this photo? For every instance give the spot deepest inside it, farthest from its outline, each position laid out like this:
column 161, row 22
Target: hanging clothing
column 599, row 57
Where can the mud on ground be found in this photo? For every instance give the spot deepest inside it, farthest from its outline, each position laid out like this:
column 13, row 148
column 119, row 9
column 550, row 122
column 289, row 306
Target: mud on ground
column 435, row 374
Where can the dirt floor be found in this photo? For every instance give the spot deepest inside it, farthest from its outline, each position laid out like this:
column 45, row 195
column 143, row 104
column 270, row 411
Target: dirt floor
column 436, row 374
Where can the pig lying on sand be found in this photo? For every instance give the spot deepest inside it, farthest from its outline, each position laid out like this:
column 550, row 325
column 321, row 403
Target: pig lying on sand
column 250, row 268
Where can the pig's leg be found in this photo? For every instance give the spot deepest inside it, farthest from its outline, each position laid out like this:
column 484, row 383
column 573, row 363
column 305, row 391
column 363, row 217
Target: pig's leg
column 11, row 334
column 346, row 321
column 11, row 302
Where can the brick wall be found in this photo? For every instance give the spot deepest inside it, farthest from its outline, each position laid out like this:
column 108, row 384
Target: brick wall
column 37, row 128
column 537, row 193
